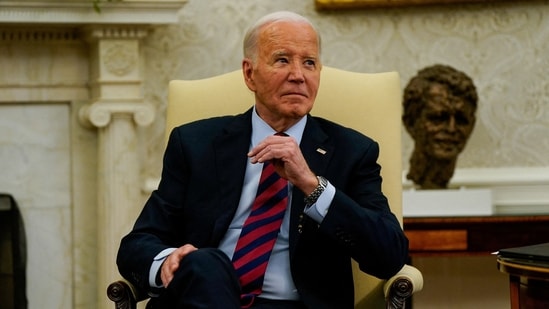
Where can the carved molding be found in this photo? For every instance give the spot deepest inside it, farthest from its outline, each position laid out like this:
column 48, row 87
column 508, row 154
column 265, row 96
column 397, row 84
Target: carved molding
column 38, row 34
column 100, row 114
column 119, row 59
column 82, row 12
column 115, row 32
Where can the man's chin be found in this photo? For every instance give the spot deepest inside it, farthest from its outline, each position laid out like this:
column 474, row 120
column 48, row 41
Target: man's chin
column 297, row 111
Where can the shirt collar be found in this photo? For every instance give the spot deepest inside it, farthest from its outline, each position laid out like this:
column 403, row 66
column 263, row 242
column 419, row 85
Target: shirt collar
column 260, row 129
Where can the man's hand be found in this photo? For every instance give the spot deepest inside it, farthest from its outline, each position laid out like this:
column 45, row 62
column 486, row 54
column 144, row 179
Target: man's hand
column 171, row 264
column 289, row 163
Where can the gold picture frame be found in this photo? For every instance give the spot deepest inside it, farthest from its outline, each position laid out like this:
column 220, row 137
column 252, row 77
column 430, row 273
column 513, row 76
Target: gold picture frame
column 363, row 4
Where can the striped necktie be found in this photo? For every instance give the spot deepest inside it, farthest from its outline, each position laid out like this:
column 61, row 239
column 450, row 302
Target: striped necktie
column 259, row 233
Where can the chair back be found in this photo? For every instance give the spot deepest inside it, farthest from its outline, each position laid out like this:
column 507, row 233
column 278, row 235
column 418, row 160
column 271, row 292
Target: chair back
column 367, row 102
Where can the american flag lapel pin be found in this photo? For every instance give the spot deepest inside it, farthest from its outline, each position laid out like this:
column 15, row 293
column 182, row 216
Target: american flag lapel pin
column 321, row 151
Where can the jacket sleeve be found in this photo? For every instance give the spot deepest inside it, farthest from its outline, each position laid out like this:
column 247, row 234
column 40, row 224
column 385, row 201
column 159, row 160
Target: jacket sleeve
column 359, row 218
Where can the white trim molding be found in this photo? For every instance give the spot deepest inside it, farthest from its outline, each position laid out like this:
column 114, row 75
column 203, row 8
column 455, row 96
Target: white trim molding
column 82, row 12
column 515, row 190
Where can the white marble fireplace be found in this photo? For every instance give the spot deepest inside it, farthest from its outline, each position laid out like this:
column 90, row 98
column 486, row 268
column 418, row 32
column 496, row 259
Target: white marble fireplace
column 71, row 105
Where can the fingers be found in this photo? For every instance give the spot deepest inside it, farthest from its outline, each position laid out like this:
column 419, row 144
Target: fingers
column 272, row 148
column 171, row 264
column 285, row 154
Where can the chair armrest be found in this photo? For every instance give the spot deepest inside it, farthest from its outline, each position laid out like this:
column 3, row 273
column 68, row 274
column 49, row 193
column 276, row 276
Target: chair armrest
column 124, row 295
column 402, row 285
column 397, row 289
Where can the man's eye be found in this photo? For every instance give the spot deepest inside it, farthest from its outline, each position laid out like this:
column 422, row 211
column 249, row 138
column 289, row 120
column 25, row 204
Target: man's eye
column 310, row 62
column 283, row 60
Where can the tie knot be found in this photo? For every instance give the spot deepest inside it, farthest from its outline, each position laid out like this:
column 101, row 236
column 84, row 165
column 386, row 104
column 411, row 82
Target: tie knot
column 281, row 134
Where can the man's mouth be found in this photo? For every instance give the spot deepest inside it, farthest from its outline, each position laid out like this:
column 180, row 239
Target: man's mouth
column 295, row 93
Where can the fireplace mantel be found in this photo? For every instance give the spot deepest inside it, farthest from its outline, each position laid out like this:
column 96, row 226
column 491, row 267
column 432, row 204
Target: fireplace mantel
column 66, row 52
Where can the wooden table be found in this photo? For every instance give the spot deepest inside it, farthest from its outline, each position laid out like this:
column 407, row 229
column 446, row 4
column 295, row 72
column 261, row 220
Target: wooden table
column 528, row 284
column 466, row 236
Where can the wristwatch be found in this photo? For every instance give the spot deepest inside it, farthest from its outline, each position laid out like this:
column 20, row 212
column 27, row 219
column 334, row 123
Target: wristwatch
column 311, row 198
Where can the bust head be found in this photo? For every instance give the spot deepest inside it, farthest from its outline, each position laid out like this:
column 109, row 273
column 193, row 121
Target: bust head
column 439, row 114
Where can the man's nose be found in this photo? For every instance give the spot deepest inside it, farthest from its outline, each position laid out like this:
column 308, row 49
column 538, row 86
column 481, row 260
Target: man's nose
column 296, row 73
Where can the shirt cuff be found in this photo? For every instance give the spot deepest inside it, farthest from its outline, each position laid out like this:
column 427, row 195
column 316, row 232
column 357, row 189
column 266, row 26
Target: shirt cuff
column 155, row 266
column 318, row 210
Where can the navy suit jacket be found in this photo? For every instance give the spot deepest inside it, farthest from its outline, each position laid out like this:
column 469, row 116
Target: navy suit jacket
column 200, row 188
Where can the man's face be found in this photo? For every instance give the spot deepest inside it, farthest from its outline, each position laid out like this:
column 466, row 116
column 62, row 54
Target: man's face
column 286, row 74
column 445, row 124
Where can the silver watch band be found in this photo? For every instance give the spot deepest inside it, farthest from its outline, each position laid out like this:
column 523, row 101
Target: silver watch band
column 311, row 198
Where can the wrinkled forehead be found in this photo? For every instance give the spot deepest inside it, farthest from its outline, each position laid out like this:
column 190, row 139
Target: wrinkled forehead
column 291, row 30
column 286, row 39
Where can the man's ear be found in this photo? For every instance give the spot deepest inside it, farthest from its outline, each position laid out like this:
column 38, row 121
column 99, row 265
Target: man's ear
column 247, row 71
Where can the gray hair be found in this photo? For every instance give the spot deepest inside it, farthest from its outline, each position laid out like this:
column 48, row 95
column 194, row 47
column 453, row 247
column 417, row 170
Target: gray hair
column 251, row 37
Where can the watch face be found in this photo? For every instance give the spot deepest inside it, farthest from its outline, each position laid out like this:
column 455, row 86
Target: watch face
column 322, row 181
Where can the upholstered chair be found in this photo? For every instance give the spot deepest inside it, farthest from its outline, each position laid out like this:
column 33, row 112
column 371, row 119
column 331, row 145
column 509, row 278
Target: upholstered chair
column 367, row 102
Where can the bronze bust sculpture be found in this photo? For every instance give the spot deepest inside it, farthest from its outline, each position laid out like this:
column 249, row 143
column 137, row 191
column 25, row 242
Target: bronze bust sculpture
column 439, row 114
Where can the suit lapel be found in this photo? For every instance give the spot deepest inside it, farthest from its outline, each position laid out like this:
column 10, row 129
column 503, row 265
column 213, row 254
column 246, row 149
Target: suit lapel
column 316, row 147
column 230, row 150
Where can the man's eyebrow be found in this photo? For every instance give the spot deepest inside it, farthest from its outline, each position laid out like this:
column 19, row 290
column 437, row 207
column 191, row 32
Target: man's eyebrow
column 280, row 53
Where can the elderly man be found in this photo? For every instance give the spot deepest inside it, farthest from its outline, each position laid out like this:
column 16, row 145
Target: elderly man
column 205, row 240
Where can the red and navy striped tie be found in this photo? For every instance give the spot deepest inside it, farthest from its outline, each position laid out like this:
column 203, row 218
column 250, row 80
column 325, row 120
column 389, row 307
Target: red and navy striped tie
column 259, row 233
